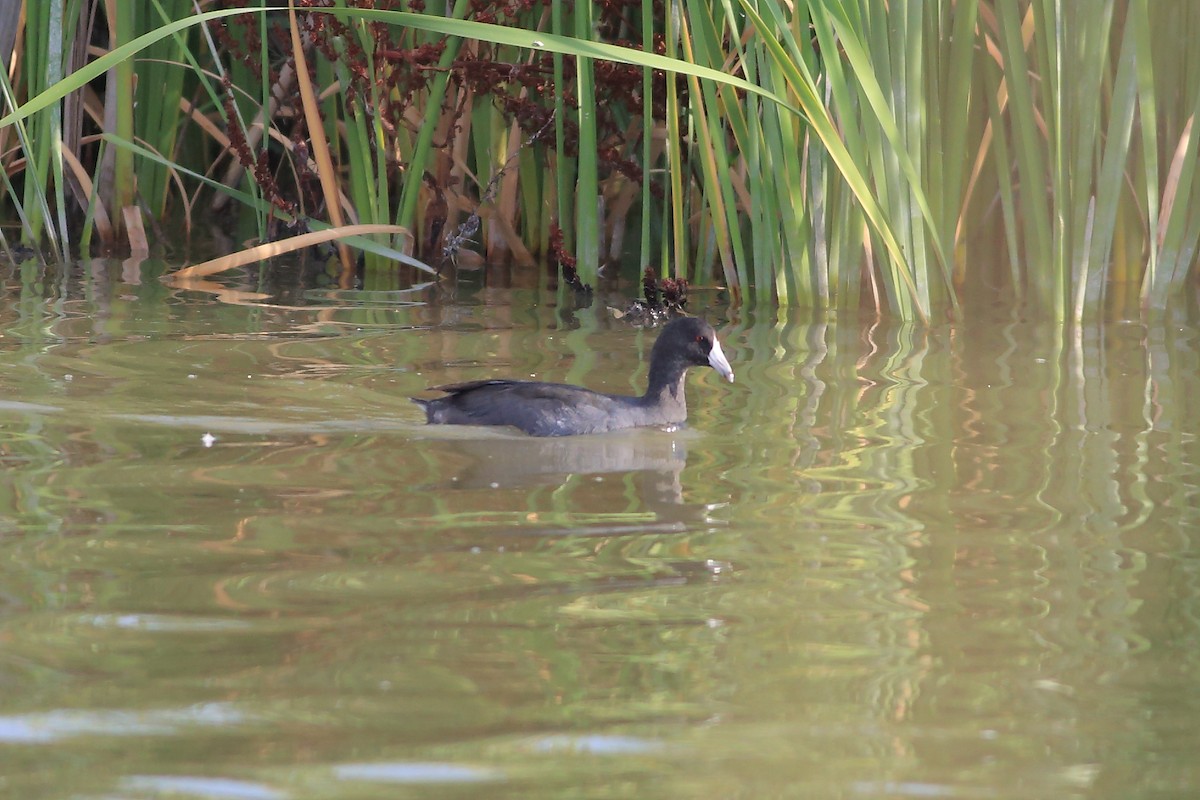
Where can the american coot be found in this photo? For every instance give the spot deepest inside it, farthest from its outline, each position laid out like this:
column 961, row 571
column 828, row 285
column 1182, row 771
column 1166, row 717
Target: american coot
column 556, row 409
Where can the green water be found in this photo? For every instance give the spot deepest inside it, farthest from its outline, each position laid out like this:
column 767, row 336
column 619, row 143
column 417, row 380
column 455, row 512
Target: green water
column 888, row 562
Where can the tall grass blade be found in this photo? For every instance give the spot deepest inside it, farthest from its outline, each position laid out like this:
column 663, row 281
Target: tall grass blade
column 710, row 150
column 1111, row 180
column 1138, row 18
column 116, row 178
column 1028, row 147
column 677, row 222
column 318, row 143
column 587, row 189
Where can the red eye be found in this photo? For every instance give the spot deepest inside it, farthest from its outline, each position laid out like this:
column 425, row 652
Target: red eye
column 699, row 339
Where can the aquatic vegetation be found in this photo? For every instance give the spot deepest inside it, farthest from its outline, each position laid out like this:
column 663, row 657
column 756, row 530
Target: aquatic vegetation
column 818, row 153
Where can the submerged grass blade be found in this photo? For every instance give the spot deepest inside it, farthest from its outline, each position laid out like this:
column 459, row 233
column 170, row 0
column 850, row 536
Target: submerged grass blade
column 270, row 249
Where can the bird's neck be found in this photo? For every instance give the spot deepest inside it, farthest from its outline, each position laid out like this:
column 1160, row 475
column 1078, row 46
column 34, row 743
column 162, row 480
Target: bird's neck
column 666, row 389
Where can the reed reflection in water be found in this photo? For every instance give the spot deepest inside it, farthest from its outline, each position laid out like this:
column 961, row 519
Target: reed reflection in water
column 888, row 561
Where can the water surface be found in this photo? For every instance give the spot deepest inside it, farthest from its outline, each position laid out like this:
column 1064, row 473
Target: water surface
column 890, row 561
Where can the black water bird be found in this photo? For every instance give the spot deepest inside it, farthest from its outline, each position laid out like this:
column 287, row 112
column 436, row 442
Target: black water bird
column 557, row 409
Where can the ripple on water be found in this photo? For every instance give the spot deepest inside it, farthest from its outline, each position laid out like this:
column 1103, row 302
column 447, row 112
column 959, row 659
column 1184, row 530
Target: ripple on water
column 196, row 786
column 416, row 772
column 52, row 726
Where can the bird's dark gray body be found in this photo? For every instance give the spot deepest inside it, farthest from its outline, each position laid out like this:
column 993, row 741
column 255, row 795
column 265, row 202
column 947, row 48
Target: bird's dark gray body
column 558, row 409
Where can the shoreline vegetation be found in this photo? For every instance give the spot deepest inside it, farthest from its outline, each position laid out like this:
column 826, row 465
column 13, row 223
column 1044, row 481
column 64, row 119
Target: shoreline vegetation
column 828, row 154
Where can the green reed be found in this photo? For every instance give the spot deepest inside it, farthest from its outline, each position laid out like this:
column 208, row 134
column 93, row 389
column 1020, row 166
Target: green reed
column 825, row 153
